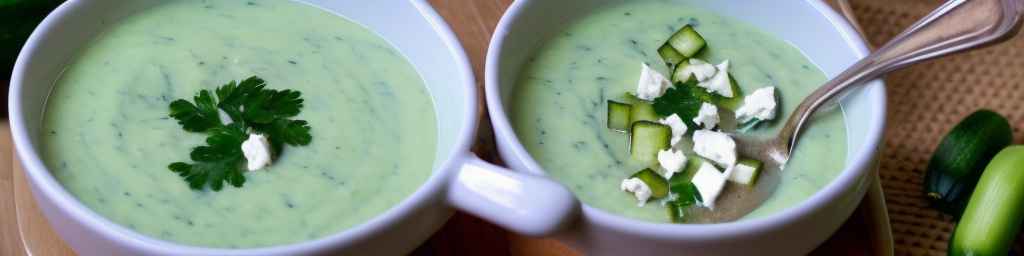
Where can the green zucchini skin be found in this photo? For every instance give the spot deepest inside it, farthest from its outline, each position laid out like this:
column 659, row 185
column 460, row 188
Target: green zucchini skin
column 619, row 116
column 993, row 216
column 657, row 184
column 646, row 138
column 958, row 161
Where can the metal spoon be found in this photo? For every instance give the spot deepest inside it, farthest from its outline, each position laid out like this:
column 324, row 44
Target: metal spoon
column 956, row 26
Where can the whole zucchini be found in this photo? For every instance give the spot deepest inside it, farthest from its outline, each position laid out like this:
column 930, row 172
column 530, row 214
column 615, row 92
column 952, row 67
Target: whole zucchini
column 992, row 218
column 958, row 161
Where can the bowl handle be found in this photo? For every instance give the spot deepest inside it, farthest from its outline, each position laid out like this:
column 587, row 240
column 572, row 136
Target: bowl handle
column 523, row 203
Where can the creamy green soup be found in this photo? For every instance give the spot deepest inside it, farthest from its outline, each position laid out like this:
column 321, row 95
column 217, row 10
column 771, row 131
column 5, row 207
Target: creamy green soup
column 108, row 138
column 558, row 107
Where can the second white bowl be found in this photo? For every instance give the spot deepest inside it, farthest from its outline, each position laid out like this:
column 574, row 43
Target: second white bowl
column 812, row 26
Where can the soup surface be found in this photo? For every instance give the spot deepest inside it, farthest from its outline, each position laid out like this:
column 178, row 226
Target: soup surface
column 558, row 106
column 109, row 140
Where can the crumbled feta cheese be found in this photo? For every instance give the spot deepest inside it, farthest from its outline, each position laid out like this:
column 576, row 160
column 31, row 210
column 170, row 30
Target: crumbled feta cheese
column 224, row 117
column 678, row 127
column 709, row 182
column 758, row 105
column 742, row 174
column 708, row 116
column 652, row 84
column 700, row 70
column 715, row 146
column 639, row 189
column 719, row 83
column 256, row 150
column 672, row 161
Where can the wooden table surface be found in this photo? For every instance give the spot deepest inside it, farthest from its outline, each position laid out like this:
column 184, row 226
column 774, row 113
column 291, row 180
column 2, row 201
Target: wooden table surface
column 473, row 21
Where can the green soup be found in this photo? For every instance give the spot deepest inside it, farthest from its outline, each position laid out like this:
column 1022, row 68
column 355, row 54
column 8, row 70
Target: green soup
column 108, row 138
column 558, row 107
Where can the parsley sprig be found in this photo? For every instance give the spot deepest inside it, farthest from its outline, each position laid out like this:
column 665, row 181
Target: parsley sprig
column 253, row 109
column 684, row 99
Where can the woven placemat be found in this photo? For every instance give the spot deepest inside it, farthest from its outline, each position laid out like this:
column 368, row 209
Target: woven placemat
column 927, row 100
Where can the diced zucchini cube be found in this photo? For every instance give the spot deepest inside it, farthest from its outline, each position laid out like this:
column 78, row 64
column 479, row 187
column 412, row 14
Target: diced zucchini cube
column 629, row 98
column 686, row 194
column 654, row 181
column 693, row 163
column 643, row 111
column 687, row 41
column 676, row 213
column 733, row 103
column 746, row 171
column 619, row 116
column 679, row 74
column 646, row 139
column 670, row 55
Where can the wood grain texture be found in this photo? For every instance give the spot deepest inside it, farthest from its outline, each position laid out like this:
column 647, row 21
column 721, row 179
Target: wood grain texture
column 10, row 239
column 38, row 238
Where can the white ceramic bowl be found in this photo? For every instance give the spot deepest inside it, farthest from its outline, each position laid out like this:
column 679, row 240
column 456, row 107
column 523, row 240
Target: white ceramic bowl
column 811, row 25
column 518, row 201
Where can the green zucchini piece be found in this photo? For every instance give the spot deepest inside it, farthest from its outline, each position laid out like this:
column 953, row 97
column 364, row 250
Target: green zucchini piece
column 957, row 163
column 676, row 213
column 618, row 116
column 629, row 98
column 693, row 163
column 995, row 210
column 646, row 139
column 746, row 171
column 643, row 111
column 686, row 41
column 654, row 181
column 686, row 195
column 734, row 103
column 679, row 75
column 671, row 57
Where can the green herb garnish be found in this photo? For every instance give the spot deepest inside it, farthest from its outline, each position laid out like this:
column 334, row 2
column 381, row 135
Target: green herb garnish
column 683, row 99
column 685, row 195
column 253, row 109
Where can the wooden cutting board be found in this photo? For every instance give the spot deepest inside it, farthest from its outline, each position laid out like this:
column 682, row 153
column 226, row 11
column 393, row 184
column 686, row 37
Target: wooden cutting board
column 25, row 231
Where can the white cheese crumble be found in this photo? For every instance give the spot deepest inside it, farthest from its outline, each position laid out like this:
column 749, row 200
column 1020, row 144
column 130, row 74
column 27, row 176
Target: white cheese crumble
column 652, row 84
column 742, row 174
column 758, row 105
column 707, row 116
column 698, row 69
column 639, row 189
column 678, row 127
column 719, row 83
column 256, row 150
column 709, row 182
column 672, row 161
column 715, row 146
column 224, row 117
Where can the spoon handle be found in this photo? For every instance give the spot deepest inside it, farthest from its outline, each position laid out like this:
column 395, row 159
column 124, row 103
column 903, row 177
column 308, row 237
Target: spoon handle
column 957, row 25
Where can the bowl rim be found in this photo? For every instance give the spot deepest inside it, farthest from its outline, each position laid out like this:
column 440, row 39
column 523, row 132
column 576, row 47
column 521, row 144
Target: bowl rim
column 858, row 164
column 45, row 186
